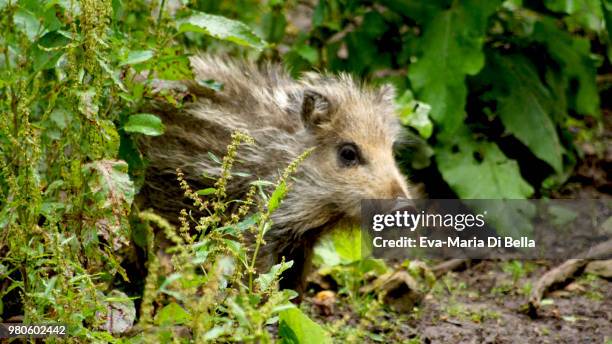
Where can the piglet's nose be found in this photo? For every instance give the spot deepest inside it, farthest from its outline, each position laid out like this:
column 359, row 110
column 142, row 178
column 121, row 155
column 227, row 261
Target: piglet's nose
column 397, row 191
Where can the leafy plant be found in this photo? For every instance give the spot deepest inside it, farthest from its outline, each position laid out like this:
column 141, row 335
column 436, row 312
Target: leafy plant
column 219, row 294
column 73, row 74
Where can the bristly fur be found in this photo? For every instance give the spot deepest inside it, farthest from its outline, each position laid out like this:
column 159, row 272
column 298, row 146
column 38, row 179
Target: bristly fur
column 285, row 117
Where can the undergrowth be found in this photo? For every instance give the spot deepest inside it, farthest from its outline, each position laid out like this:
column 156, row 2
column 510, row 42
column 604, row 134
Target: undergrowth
column 215, row 291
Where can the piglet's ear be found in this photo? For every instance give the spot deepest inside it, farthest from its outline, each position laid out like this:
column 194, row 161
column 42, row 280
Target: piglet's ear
column 316, row 109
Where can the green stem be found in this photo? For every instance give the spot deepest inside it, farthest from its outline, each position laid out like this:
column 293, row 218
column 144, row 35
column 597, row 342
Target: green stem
column 258, row 242
column 160, row 14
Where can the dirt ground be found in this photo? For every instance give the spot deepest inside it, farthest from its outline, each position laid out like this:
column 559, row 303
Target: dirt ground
column 491, row 309
column 486, row 302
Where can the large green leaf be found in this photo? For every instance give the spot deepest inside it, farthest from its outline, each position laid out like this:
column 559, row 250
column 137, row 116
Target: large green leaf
column 524, row 105
column 415, row 114
column 137, row 56
column 452, row 49
column 48, row 49
column 144, row 123
column 480, row 170
column 583, row 14
column 172, row 314
column 574, row 56
column 221, row 28
column 297, row 328
column 27, row 22
column 341, row 246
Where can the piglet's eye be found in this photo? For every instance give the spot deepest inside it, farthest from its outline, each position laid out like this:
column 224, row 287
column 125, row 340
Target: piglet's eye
column 348, row 155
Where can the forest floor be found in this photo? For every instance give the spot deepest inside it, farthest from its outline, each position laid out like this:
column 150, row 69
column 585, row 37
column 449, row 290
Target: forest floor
column 486, row 302
column 489, row 307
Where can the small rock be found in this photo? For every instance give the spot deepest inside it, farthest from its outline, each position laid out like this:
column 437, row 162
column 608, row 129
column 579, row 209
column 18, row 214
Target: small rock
column 399, row 290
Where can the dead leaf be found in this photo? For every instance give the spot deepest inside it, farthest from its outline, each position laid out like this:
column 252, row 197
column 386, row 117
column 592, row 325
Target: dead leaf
column 398, row 289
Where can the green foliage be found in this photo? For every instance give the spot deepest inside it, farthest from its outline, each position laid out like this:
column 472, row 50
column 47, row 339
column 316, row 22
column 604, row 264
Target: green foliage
column 526, row 69
column 221, row 28
column 72, row 76
column 144, row 123
column 466, row 157
column 296, row 328
column 451, row 49
column 210, row 266
column 524, row 105
column 343, row 256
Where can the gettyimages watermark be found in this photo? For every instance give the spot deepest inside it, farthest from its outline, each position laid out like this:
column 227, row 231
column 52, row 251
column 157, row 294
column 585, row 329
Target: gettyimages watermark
column 485, row 229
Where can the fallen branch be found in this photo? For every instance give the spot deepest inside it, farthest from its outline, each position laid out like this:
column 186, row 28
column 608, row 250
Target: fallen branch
column 564, row 271
column 449, row 265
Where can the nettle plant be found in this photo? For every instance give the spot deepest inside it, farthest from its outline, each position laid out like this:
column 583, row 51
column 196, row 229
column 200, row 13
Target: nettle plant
column 71, row 77
column 214, row 291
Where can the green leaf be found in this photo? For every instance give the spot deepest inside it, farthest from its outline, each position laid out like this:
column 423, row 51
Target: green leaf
column 583, row 14
column 87, row 104
column 606, row 6
column 111, row 181
column 415, row 114
column 325, row 253
column 419, row 11
column 173, row 65
column 262, row 183
column 264, row 281
column 297, row 328
column 452, row 49
column 561, row 216
column 118, row 312
column 115, row 75
column 211, row 84
column 347, row 242
column 49, row 49
column 206, row 192
column 273, row 25
column 277, row 196
column 480, row 170
column 214, row 158
column 574, row 56
column 172, row 314
column 508, row 217
column 307, row 52
column 137, row 56
column 241, row 174
column 342, row 246
column 221, row 28
column 524, row 105
column 144, row 123
column 27, row 22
